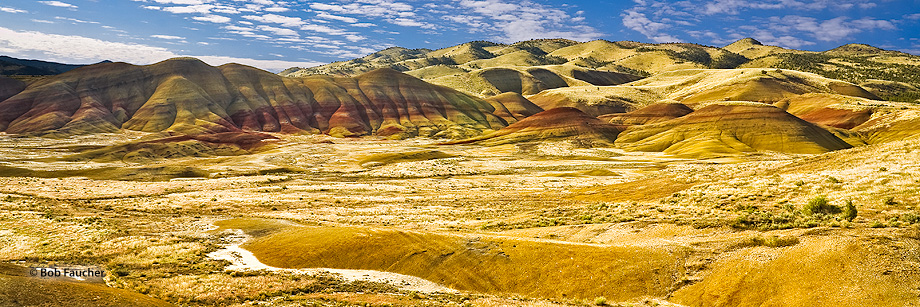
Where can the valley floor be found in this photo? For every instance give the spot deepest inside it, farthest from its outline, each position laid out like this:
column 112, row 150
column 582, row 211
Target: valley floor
column 529, row 224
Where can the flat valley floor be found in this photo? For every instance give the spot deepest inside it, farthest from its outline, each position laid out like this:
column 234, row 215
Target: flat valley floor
column 412, row 222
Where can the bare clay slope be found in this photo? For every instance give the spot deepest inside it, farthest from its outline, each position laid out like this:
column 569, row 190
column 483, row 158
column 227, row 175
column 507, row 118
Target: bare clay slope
column 188, row 96
column 568, row 124
column 731, row 128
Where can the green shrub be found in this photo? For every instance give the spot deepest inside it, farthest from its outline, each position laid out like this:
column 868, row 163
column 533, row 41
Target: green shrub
column 889, row 201
column 833, row 180
column 849, row 211
column 770, row 241
column 820, row 205
column 600, row 301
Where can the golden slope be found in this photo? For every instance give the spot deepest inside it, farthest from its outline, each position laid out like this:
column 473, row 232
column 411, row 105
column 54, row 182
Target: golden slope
column 694, row 86
column 731, row 128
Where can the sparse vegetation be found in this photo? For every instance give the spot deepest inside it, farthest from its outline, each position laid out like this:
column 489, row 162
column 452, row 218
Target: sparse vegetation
column 820, row 205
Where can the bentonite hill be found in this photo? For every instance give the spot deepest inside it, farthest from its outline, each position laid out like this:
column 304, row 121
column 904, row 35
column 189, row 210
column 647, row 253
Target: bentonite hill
column 541, row 173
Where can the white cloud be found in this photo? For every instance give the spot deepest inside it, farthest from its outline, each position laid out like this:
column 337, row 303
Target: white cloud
column 170, row 37
column 278, row 31
column 212, row 18
column 11, row 10
column 79, row 49
column 638, row 22
column 336, row 17
column 284, row 21
column 831, row 30
column 519, row 20
column 191, row 9
column 42, row 21
column 58, row 4
column 75, row 20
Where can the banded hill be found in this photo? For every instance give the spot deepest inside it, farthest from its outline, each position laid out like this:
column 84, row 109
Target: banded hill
column 188, row 96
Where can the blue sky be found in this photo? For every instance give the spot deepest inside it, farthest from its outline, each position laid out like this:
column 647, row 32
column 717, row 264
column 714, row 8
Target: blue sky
column 275, row 35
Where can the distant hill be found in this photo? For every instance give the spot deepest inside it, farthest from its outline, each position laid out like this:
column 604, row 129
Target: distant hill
column 10, row 66
column 891, row 75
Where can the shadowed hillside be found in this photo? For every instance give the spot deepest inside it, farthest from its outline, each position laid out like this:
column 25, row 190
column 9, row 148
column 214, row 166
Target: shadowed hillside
column 186, row 95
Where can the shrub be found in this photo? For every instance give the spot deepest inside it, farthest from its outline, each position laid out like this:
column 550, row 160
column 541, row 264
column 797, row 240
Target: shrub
column 833, row 180
column 820, row 205
column 600, row 301
column 889, row 201
column 849, row 211
column 771, row 241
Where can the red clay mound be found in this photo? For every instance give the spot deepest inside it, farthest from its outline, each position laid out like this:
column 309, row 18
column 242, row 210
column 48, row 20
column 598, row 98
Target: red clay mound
column 513, row 107
column 731, row 128
column 828, row 109
column 569, row 124
column 654, row 113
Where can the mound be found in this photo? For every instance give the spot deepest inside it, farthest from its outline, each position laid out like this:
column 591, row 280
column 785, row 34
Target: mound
column 729, row 129
column 18, row 289
column 694, row 86
column 828, row 268
column 654, row 113
column 828, row 109
column 752, row 49
column 199, row 145
column 187, row 96
column 568, row 124
column 488, row 265
column 10, row 87
column 512, row 106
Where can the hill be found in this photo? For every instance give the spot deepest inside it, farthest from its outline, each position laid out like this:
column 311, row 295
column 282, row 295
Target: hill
column 890, row 75
column 559, row 124
column 651, row 114
column 188, row 96
column 694, row 86
column 730, row 128
column 10, row 66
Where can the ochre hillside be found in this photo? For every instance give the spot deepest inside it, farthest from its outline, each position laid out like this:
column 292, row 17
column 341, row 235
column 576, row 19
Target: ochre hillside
column 888, row 74
column 731, row 128
column 693, row 86
column 188, row 96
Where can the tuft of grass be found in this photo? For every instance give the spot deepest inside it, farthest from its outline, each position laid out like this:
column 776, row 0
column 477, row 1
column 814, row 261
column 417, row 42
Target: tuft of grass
column 600, row 301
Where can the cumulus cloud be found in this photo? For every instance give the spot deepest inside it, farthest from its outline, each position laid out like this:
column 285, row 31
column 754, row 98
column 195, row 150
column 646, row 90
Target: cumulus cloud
column 638, row 22
column 80, row 49
column 284, row 21
column 830, row 30
column 664, row 21
column 523, row 20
